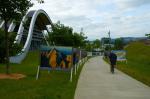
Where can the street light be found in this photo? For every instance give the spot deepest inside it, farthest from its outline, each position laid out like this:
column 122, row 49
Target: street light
column 109, row 39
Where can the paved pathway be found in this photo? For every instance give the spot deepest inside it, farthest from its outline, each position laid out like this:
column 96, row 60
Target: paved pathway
column 96, row 82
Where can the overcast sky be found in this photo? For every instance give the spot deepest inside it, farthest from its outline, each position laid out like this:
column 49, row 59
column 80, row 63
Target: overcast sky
column 124, row 18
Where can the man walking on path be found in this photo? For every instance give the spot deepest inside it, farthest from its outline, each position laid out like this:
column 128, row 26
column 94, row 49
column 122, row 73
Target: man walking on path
column 112, row 59
column 95, row 82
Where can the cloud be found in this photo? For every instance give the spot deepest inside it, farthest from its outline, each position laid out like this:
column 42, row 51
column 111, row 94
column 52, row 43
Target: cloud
column 97, row 17
column 125, row 4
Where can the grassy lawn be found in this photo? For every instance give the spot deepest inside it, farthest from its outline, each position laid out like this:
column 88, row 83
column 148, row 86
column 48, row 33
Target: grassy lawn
column 53, row 85
column 138, row 66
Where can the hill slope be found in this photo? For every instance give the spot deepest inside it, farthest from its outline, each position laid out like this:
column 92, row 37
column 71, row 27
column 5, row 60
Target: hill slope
column 138, row 66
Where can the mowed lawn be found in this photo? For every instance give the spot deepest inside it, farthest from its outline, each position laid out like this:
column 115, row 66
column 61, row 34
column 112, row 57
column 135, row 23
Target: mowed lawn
column 53, row 85
column 138, row 65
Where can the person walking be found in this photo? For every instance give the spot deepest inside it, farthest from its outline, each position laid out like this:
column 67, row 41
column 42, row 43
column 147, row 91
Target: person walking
column 112, row 59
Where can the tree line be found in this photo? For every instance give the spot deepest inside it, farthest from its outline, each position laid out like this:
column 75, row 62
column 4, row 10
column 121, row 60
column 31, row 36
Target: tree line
column 62, row 35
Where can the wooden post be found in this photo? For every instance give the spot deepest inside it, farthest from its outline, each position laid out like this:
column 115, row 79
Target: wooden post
column 38, row 71
column 77, row 66
column 75, row 69
column 71, row 74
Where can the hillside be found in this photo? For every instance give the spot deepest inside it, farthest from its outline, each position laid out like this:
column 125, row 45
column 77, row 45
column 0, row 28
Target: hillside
column 138, row 66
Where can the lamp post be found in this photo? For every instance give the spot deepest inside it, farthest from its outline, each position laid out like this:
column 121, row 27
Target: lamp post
column 109, row 39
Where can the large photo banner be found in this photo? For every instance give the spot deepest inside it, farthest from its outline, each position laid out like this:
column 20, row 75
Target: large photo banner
column 76, row 55
column 121, row 55
column 83, row 54
column 56, row 57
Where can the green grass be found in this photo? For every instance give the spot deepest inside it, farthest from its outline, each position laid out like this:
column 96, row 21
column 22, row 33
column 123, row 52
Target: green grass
column 53, row 85
column 138, row 65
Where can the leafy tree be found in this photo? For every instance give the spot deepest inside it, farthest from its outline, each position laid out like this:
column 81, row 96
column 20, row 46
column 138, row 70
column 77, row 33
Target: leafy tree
column 147, row 35
column 61, row 35
column 97, row 43
column 64, row 36
column 12, row 10
column 14, row 47
column 79, row 39
column 118, row 44
column 107, row 48
column 89, row 46
column 2, row 44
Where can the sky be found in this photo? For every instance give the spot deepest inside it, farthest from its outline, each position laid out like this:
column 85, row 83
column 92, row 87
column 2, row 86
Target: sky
column 124, row 18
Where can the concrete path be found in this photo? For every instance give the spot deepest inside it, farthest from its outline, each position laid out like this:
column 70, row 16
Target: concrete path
column 96, row 82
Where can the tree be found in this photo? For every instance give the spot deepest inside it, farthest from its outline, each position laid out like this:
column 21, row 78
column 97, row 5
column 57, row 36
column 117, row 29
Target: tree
column 91, row 45
column 97, row 43
column 79, row 40
column 14, row 48
column 63, row 35
column 12, row 10
column 118, row 44
column 147, row 35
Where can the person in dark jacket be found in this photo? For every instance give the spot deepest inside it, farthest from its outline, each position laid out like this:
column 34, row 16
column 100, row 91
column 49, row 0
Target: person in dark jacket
column 113, row 59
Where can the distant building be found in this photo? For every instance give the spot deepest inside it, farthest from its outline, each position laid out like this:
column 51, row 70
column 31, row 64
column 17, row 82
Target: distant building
column 107, row 42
